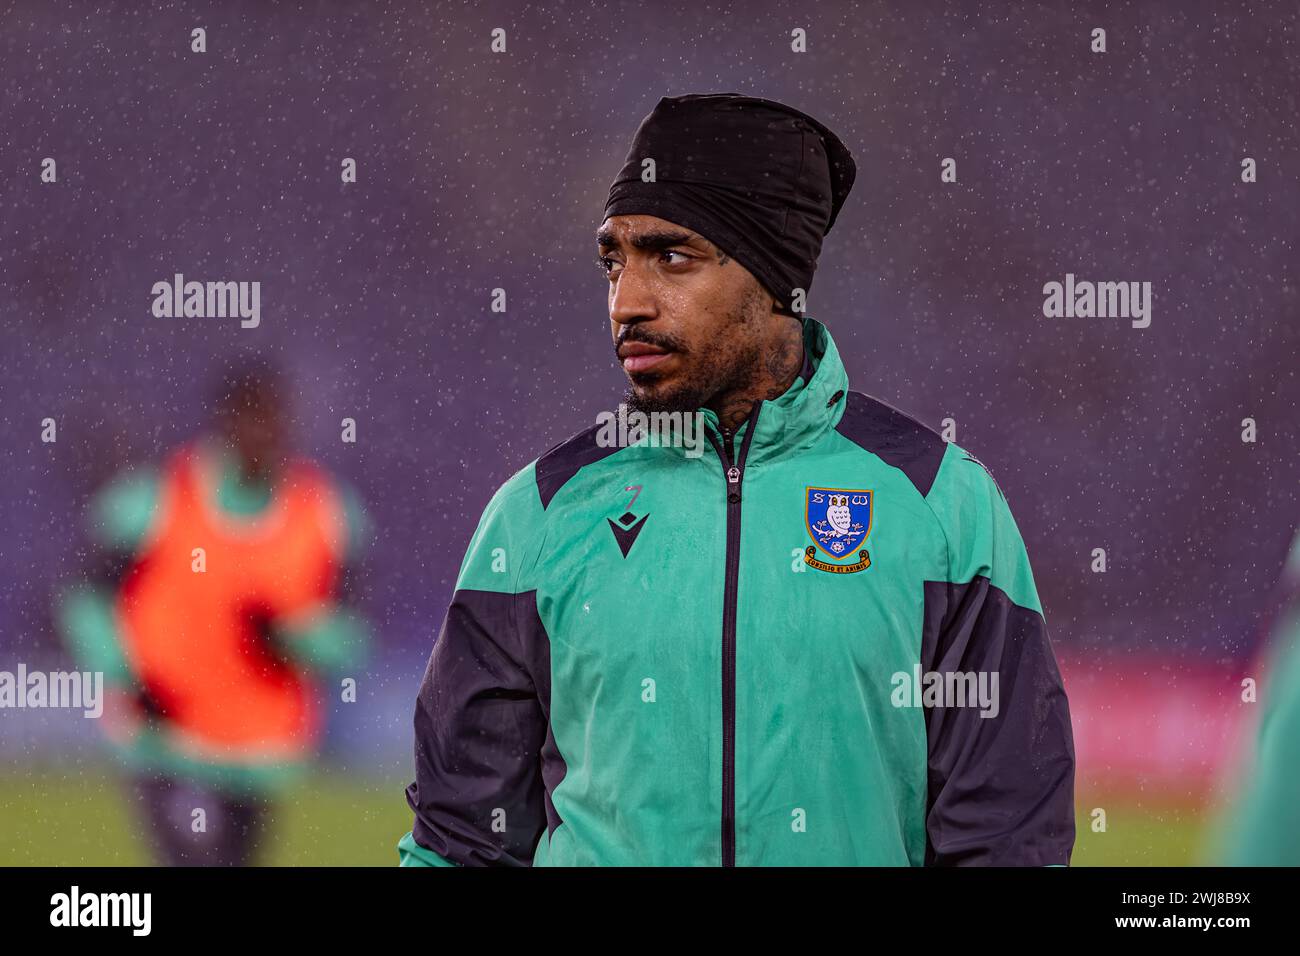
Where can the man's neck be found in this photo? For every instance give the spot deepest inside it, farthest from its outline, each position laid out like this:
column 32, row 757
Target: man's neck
column 781, row 365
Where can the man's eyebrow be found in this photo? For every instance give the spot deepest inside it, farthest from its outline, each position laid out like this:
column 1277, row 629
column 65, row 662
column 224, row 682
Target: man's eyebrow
column 647, row 241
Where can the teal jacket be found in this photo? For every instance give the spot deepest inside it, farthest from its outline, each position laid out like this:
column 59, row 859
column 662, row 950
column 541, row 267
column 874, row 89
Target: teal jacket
column 655, row 657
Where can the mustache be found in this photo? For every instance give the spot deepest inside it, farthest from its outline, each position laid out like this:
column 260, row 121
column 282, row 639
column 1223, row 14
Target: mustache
column 669, row 343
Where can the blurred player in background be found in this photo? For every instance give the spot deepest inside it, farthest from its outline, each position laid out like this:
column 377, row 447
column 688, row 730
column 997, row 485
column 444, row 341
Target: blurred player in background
column 1263, row 827
column 219, row 604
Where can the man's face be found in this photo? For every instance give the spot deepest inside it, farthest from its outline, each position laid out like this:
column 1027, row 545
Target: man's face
column 689, row 323
column 254, row 427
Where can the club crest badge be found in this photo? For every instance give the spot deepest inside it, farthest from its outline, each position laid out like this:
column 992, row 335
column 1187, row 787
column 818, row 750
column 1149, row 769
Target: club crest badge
column 838, row 520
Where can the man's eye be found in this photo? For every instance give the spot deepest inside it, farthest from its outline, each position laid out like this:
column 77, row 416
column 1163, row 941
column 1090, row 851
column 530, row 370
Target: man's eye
column 611, row 267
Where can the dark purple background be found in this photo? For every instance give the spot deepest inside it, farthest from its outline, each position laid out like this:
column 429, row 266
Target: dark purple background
column 481, row 170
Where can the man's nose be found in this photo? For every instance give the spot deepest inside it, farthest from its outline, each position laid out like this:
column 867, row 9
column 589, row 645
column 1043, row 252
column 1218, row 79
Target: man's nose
column 632, row 297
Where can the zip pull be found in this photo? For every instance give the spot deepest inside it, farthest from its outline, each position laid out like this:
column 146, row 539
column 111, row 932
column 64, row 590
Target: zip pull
column 733, row 485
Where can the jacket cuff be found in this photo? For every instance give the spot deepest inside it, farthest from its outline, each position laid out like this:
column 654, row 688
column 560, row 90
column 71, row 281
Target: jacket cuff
column 410, row 853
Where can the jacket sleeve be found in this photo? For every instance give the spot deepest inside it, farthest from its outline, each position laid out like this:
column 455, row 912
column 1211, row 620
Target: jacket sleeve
column 481, row 712
column 1001, row 776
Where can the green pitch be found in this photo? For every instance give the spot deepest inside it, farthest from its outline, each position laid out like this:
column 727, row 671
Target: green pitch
column 1140, row 831
column 336, row 819
column 85, row 819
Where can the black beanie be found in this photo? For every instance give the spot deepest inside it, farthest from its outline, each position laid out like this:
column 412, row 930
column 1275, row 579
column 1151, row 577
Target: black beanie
column 762, row 181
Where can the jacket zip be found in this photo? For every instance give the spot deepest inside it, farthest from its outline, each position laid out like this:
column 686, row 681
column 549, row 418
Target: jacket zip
column 733, row 473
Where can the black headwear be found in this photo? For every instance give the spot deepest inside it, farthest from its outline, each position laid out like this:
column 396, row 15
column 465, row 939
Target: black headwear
column 760, row 180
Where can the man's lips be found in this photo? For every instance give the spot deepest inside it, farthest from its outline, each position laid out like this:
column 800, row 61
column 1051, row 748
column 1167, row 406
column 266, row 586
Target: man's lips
column 638, row 356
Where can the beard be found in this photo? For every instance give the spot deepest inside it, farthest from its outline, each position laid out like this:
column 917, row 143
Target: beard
column 726, row 369
column 695, row 387
column 686, row 395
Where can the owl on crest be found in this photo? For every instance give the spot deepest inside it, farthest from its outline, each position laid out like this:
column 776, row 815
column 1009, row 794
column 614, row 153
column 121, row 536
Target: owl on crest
column 838, row 514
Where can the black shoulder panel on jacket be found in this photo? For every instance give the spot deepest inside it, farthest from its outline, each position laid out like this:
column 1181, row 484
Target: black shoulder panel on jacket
column 895, row 438
column 562, row 462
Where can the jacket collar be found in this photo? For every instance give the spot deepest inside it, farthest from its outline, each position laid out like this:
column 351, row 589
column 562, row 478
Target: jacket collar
column 800, row 416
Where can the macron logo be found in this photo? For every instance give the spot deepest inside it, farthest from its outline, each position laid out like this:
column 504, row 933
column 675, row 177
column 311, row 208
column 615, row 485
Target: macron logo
column 102, row 909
